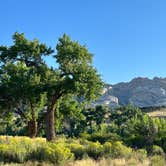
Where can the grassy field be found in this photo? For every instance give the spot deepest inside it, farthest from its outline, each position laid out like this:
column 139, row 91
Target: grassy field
column 159, row 112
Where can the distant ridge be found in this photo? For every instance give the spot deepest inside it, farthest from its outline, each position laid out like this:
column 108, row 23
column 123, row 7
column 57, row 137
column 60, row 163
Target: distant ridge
column 140, row 91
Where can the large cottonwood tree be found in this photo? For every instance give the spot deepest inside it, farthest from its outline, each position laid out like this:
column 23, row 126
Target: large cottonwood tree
column 75, row 74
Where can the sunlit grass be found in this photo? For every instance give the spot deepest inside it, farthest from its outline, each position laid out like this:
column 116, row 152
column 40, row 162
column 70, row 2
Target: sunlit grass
column 159, row 113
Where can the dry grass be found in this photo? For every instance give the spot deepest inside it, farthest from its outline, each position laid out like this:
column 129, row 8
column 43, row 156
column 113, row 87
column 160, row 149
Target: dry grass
column 102, row 162
column 112, row 162
column 158, row 113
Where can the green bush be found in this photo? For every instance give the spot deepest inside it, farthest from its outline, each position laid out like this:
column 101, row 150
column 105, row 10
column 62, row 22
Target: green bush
column 84, row 135
column 10, row 153
column 22, row 149
column 104, row 137
column 140, row 154
column 78, row 150
column 157, row 150
column 107, row 149
column 94, row 150
column 120, row 150
column 17, row 149
column 54, row 153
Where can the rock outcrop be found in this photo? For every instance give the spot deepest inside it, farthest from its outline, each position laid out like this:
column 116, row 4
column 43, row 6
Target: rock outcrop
column 107, row 98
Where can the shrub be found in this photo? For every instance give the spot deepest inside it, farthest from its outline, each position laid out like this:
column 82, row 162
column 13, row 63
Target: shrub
column 54, row 153
column 78, row 150
column 12, row 153
column 120, row 150
column 104, row 137
column 22, row 149
column 94, row 150
column 107, row 149
column 140, row 154
column 157, row 150
column 16, row 149
column 84, row 135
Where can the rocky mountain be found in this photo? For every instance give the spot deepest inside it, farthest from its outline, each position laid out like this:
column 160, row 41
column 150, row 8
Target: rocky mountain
column 141, row 92
column 107, row 98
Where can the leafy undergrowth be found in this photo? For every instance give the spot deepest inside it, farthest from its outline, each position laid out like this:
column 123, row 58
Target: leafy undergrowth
column 72, row 152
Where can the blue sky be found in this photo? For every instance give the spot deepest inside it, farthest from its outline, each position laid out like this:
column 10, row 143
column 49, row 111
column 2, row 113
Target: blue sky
column 127, row 37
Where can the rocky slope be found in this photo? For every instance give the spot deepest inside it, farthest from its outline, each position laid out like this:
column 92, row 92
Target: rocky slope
column 107, row 98
column 141, row 92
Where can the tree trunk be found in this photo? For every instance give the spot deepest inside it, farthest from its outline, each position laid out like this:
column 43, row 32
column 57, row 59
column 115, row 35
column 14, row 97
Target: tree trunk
column 50, row 120
column 32, row 128
column 50, row 127
column 32, row 124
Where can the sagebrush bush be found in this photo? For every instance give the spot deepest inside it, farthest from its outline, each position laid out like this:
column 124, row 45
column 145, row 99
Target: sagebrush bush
column 21, row 149
column 17, row 149
column 107, row 147
column 78, row 150
column 24, row 149
column 94, row 150
column 157, row 150
column 54, row 153
column 120, row 150
column 141, row 154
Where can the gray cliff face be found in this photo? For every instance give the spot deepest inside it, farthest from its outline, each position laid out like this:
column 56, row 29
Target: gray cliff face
column 141, row 92
column 106, row 98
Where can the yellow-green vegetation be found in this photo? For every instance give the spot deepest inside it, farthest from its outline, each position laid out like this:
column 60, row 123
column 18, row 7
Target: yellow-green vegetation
column 72, row 152
column 22, row 149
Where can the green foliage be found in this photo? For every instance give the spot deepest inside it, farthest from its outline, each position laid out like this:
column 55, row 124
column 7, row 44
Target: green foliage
column 104, row 137
column 61, row 152
column 28, row 83
column 75, row 66
column 16, row 149
column 140, row 131
column 122, row 114
column 54, row 153
column 78, row 150
column 94, row 150
column 22, row 149
column 70, row 110
column 157, row 150
column 107, row 146
column 120, row 150
column 140, row 154
column 137, row 129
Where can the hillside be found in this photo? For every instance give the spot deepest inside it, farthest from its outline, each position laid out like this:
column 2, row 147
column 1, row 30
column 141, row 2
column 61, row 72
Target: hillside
column 141, row 92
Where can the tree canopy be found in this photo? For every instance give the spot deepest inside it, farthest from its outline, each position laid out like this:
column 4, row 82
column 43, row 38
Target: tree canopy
column 25, row 76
